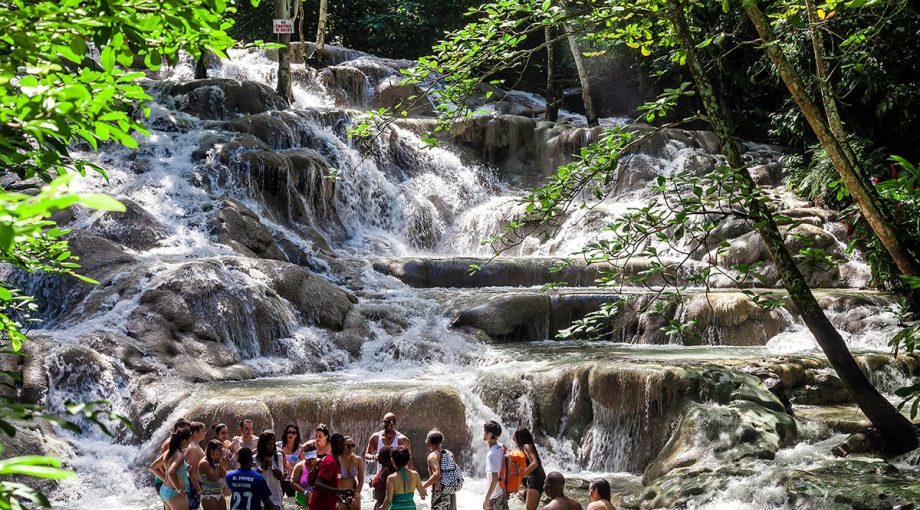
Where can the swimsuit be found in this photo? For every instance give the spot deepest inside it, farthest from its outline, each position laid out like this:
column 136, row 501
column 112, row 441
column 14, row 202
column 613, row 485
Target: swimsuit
column 167, row 492
column 405, row 500
column 537, row 478
column 352, row 473
column 211, row 489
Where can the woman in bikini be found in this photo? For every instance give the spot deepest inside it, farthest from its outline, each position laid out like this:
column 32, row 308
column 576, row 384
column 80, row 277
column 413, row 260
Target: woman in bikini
column 402, row 484
column 534, row 474
column 212, row 469
column 352, row 474
column 173, row 470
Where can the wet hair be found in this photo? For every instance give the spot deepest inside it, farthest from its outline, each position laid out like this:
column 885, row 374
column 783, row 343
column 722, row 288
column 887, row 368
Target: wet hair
column 217, row 428
column 296, row 439
column 435, row 437
column 602, row 487
column 180, row 423
column 492, row 427
column 175, row 442
column 244, row 456
column 213, row 444
column 401, row 456
column 322, row 427
column 243, row 422
column 196, row 427
column 265, row 444
column 385, row 456
column 522, row 437
column 337, row 443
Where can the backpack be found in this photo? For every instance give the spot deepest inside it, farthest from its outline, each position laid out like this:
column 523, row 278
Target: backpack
column 512, row 471
column 451, row 476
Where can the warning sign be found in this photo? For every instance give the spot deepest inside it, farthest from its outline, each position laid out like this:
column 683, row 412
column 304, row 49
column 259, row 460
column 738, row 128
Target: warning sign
column 283, row 26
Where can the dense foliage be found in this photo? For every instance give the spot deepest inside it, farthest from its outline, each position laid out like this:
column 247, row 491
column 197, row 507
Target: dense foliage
column 389, row 28
column 65, row 80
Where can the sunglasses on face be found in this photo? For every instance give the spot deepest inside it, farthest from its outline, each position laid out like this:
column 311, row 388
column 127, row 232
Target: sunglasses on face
column 291, row 433
column 349, row 446
column 391, row 420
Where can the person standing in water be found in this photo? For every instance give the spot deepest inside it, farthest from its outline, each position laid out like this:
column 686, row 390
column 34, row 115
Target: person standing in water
column 320, row 441
column 326, row 491
column 388, row 436
column 245, row 439
column 442, row 498
column 352, row 474
column 554, row 487
column 248, row 489
column 599, row 492
column 193, row 455
column 212, row 470
column 495, row 499
column 534, row 475
column 402, row 484
column 173, row 470
column 379, row 482
column 300, row 478
column 270, row 464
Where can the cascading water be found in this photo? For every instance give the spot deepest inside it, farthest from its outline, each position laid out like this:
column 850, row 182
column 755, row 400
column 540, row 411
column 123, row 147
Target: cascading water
column 242, row 286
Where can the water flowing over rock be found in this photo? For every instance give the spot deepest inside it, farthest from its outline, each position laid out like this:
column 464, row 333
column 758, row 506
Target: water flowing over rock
column 271, row 267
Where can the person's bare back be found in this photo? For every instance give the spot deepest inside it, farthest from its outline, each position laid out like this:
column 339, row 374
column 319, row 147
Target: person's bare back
column 602, row 504
column 563, row 503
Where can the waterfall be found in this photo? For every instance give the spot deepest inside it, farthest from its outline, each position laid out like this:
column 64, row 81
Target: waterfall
column 271, row 267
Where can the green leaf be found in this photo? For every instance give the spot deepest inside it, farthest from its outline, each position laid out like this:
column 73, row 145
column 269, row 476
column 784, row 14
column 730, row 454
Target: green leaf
column 107, row 58
column 101, row 201
column 6, row 237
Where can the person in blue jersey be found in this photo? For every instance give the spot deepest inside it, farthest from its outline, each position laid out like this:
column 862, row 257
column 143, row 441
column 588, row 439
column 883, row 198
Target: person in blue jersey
column 248, row 489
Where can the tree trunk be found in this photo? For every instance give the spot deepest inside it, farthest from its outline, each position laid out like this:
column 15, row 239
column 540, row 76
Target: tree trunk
column 552, row 102
column 321, row 29
column 864, row 195
column 285, row 89
column 897, row 430
column 827, row 93
column 582, row 77
column 201, row 65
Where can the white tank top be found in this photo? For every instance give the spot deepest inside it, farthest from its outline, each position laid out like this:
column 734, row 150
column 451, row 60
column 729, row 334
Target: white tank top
column 380, row 444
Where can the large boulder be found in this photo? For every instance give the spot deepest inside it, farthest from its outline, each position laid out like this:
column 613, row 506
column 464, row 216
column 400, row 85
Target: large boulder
column 347, row 408
column 238, row 227
column 204, row 317
column 135, row 228
column 221, row 98
column 59, row 296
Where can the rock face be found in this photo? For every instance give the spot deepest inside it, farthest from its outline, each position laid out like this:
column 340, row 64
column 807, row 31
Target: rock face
column 135, row 228
column 721, row 318
column 354, row 410
column 60, row 296
column 220, row 98
column 204, row 317
column 641, row 418
column 240, row 228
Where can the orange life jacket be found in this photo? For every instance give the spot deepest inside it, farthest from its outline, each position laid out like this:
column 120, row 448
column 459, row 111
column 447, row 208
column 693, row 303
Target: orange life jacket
column 512, row 470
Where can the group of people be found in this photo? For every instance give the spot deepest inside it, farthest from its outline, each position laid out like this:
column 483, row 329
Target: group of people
column 250, row 472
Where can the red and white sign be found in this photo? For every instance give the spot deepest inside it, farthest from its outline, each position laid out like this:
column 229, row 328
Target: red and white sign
column 283, row 26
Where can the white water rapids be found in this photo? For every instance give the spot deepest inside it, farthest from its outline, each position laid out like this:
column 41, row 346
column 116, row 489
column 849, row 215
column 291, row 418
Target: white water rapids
column 403, row 200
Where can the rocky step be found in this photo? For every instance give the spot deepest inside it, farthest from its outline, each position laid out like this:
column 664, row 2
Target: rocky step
column 471, row 272
column 719, row 317
column 348, row 407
